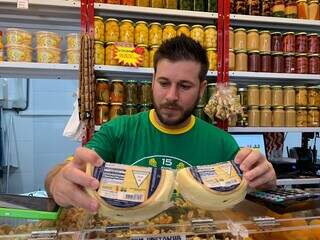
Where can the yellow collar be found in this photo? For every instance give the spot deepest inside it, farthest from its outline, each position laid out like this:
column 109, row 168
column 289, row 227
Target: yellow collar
column 169, row 130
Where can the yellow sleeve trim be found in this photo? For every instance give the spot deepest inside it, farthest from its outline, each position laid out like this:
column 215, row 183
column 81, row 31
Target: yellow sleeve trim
column 185, row 129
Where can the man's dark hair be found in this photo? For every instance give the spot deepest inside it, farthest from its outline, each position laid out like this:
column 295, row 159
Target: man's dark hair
column 183, row 48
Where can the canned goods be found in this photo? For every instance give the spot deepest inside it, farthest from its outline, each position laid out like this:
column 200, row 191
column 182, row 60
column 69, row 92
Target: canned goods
column 169, row 31
column 210, row 37
column 145, row 92
column 131, row 92
column 110, row 53
column 155, row 34
column 197, row 33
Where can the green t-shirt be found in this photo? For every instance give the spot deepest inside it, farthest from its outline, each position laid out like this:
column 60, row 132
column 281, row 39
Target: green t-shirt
column 140, row 140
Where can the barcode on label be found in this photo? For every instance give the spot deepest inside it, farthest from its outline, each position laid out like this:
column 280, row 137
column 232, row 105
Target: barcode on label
column 134, row 197
column 113, row 176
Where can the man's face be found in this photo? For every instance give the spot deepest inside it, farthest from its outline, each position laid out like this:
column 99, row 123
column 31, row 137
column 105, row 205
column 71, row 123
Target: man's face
column 176, row 90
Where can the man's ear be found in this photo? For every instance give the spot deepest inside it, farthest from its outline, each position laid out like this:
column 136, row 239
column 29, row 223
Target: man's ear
column 203, row 86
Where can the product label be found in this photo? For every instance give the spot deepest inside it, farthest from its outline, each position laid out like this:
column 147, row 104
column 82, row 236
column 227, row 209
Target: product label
column 161, row 237
column 23, row 4
column 126, row 186
column 128, row 55
column 220, row 177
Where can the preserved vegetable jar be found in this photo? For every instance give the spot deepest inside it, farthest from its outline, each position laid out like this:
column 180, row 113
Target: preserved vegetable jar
column 240, row 7
column 109, row 54
column 232, row 60
column 302, row 63
column 143, row 3
column 290, row 63
column 212, row 58
column 126, row 31
column 301, row 96
column 265, row 117
column 301, row 42
column 278, row 117
column 117, row 91
column 210, row 37
column 130, row 109
column 291, row 10
column 186, row 5
column 170, row 4
column 253, row 116
column 112, row 30
column 266, row 62
column 99, row 1
column 231, row 38
column 314, row 63
column 212, row 6
column 99, row 53
column 155, row 34
column 278, row 8
column 301, row 117
column 145, row 60
column 302, row 9
column 266, row 7
column 253, row 7
column 141, row 33
column 254, row 61
column 211, row 89
column 252, row 39
column 156, row 3
column 116, row 109
column 204, row 98
column 289, row 96
column 131, row 92
column 265, row 95
column 240, row 39
column 276, row 96
column 313, row 43
column 183, row 29
column 265, row 41
column 198, row 5
column 277, row 62
column 197, row 33
column 127, row 2
column 253, row 95
column 102, row 90
column 289, row 42
column 290, row 117
column 101, row 113
column 313, row 96
column 313, row 117
column 152, row 51
column 98, row 28
column 145, row 92
column 241, row 60
column 243, row 93
column 169, row 31
column 276, row 42
column 313, row 10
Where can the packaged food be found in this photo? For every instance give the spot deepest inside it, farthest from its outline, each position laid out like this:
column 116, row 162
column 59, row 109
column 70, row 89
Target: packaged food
column 232, row 60
column 240, row 7
column 211, row 89
column 16, row 36
column 99, row 54
column 240, row 39
column 265, row 41
column 156, row 3
column 145, row 57
column 145, row 107
column 210, row 37
column 301, row 117
column 152, row 51
column 186, row 5
column 117, row 91
column 313, row 117
column 265, row 117
column 241, row 60
column 290, row 63
column 170, row 4
column 266, row 7
column 145, row 92
column 276, row 42
column 289, row 42
column 112, row 30
column 141, row 33
column 212, row 6
column 302, row 9
column 98, row 29
column 19, row 53
column 301, row 96
column 278, row 117
column 48, row 39
column 48, row 55
column 110, row 54
column 301, row 42
column 253, row 7
column 231, row 38
column 73, row 41
column 290, row 117
column 254, row 63
column 130, row 109
column 276, row 96
column 243, row 93
column 302, row 63
column 126, row 31
column 169, row 31
column 212, row 58
column 199, row 5
column 313, row 96
column 266, row 62
column 155, row 34
column 314, row 63
column 278, row 8
column 197, row 33
column 291, row 10
column 277, row 62
column 102, row 90
column 313, row 43
column 116, row 110
column 313, row 10
column 253, row 95
column 183, row 29
column 131, row 92
column 252, row 40
column 198, row 112
column 101, row 113
column 265, row 95
column 254, row 116
column 142, row 3
column 127, row 2
column 289, row 96
column 73, row 56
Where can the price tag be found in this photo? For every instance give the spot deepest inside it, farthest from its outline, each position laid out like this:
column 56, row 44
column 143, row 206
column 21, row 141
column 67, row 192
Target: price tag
column 23, row 4
column 161, row 237
column 128, row 55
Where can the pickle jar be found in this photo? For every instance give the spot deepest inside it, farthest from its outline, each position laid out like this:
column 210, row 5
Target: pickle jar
column 130, row 109
column 141, row 33
column 290, row 117
column 126, row 31
column 145, row 56
column 199, row 5
column 253, row 7
column 301, row 42
column 152, row 51
column 253, row 95
column 254, row 116
column 266, row 62
column 252, row 40
column 212, row 58
column 313, row 10
column 265, row 95
column 276, row 96
column 156, row 3
column 276, row 42
column 277, row 62
column 183, row 29
column 101, row 113
column 291, row 10
column 240, row 7
column 231, row 38
column 314, row 63
column 313, row 43
column 98, row 28
column 170, row 4
column 313, row 117
column 301, row 117
column 301, row 96
column 169, row 31
column 290, row 63
column 186, row 5
column 99, row 53
column 145, row 92
column 102, row 90
column 116, row 109
column 289, row 96
column 254, row 63
column 131, row 92
column 265, row 41
column 155, row 34
column 313, row 96
column 203, row 100
column 198, row 112
column 143, row 3
column 302, row 63
column 197, row 33
column 210, row 37
column 266, row 7
column 302, row 6
column 241, row 60
column 145, row 107
column 240, row 39
column 117, row 91
column 211, row 90
column 112, row 30
column 232, row 60
column 289, row 42
column 243, row 93
column 278, row 8
column 212, row 6
column 265, row 116
column 278, row 117
column 110, row 53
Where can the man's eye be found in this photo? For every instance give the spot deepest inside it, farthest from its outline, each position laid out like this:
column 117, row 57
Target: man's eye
column 164, row 84
column 185, row 87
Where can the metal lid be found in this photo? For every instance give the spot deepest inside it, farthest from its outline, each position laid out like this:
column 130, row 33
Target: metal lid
column 285, row 87
column 109, row 43
column 313, row 108
column 278, row 107
column 264, row 86
column 301, row 108
column 241, row 51
column 200, row 106
column 264, row 31
column 265, row 53
column 312, row 34
column 300, row 87
column 197, row 26
column 289, row 54
column 126, row 20
column 242, row 89
column 290, row 107
column 146, row 104
column 266, row 107
column 232, row 84
column 314, row 87
column 276, row 87
column 145, row 82
column 116, row 104
column 276, row 33
column 183, row 25
column 116, row 80
column 210, row 26
column 132, row 81
column 276, row 53
column 155, row 46
column 254, row 51
column 211, row 84
column 131, row 105
column 169, row 24
column 314, row 55
column 231, row 50
column 155, row 23
column 253, row 86
column 141, row 22
column 240, row 29
column 253, row 107
column 301, row 33
column 102, row 79
column 211, row 49
column 252, row 30
column 98, row 17
column 301, row 55
column 288, row 33
column 142, row 45
column 112, row 19
column 101, row 103
column 98, row 42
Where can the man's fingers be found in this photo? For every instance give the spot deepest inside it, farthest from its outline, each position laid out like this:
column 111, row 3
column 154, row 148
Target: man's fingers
column 262, row 180
column 257, row 171
column 242, row 154
column 81, row 199
column 250, row 161
column 84, row 155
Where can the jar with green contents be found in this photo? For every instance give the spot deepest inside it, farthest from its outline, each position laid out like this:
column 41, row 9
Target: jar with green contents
column 203, row 99
column 211, row 89
column 278, row 8
column 212, row 6
column 199, row 5
column 131, row 92
column 156, row 3
column 143, row 3
column 186, row 5
column 130, row 109
column 145, row 107
column 116, row 109
column 145, row 92
column 198, row 112
column 170, row 4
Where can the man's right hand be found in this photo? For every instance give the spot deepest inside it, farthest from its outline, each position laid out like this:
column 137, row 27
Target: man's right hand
column 67, row 186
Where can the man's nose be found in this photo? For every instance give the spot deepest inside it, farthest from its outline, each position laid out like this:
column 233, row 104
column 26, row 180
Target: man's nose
column 172, row 94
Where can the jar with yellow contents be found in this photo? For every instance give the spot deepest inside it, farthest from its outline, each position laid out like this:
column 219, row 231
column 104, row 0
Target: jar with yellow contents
column 112, row 30
column 313, row 96
column 152, row 51
column 101, row 113
column 290, row 117
column 197, row 33
column 253, row 95
column 278, row 117
column 99, row 53
column 289, row 96
column 301, row 96
column 265, row 95
column 313, row 117
column 155, row 34
column 212, row 58
column 210, row 37
column 145, row 56
column 232, row 60
column 277, row 96
column 126, row 31
column 156, row 3
column 117, row 91
column 254, row 116
column 170, row 4
column 110, row 54
column 231, row 38
column 253, row 39
column 265, row 116
column 183, row 29
column 116, row 110
column 98, row 28
column 141, row 33
column 240, row 39
column 169, row 31
column 301, row 117
column 143, row 3
column 241, row 60
column 102, row 90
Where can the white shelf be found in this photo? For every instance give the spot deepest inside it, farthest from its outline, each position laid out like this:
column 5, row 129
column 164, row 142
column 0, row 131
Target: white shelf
column 38, row 70
column 301, row 181
column 272, row 129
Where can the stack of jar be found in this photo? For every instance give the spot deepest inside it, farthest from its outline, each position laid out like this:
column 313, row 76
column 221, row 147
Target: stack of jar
column 279, row 106
column 149, row 37
column 73, row 48
column 263, row 51
column 48, row 47
column 18, row 45
column 119, row 97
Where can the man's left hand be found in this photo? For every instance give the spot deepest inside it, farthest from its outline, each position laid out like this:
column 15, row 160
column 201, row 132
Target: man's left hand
column 257, row 170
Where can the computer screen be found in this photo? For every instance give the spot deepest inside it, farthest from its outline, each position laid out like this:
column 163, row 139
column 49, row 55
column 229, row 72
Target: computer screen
column 254, row 140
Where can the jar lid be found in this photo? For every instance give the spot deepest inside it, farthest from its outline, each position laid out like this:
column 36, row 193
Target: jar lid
column 252, row 30
column 132, row 81
column 112, row 19
column 145, row 82
column 197, row 26
column 232, row 84
column 183, row 25
column 169, row 24
column 278, row 107
column 276, row 33
column 289, row 54
column 301, row 108
column 116, row 80
column 314, row 1
column 253, row 86
column 301, row 54
column 240, row 29
column 314, row 55
column 155, row 23
column 265, row 107
column 264, row 31
column 285, row 87
column 200, row 106
column 313, row 87
column 241, row 51
column 254, row 51
column 109, row 43
column 98, row 17
column 98, row 42
column 141, row 22
column 301, row 1
column 264, row 86
column 116, row 104
column 142, row 45
column 277, row 53
column 253, row 107
column 101, row 103
column 155, row 46
column 301, row 33
column 231, row 50
column 313, row 34
column 288, row 33
column 265, row 53
column 242, row 89
column 126, row 20
column 313, row 108
column 231, row 28
column 102, row 80
column 276, row 87
column 211, row 84
column 131, row 105
column 211, row 49
column 290, row 107
column 300, row 87
column 210, row 26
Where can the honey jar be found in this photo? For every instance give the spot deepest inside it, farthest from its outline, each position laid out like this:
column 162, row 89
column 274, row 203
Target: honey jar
column 313, row 117
column 253, row 40
column 276, row 96
column 278, row 117
column 240, row 39
column 253, row 95
column 289, row 96
column 313, row 96
column 290, row 117
column 241, row 60
column 265, row 117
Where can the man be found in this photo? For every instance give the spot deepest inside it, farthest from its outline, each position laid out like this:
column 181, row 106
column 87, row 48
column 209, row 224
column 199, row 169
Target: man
column 168, row 136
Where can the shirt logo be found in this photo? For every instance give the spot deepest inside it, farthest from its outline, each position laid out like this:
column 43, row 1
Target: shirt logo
column 162, row 161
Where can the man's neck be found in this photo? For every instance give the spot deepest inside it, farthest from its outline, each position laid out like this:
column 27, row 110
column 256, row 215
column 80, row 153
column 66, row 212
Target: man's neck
column 178, row 126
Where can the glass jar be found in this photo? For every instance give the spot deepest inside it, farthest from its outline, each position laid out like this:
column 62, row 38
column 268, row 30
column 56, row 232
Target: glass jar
column 1, row 48
column 231, row 38
column 276, row 96
column 183, row 29
column 170, row 4
column 203, row 100
column 141, row 33
column 265, row 117
column 266, row 62
column 277, row 62
column 127, row 2
column 198, row 112
column 301, row 96
column 155, row 34
column 112, row 30
column 117, row 91
column 212, row 58
column 253, row 95
column 252, row 40
column 265, row 95
column 197, row 33
column 254, row 61
column 289, row 42
column 290, row 117
column 240, row 7
column 212, row 6
column 278, row 8
column 126, row 31
column 289, row 96
column 313, row 117
column 291, row 10
column 199, row 5
column 98, row 53
column 102, row 90
column 142, row 3
column 240, row 39
column 145, row 92
column 276, row 42
column 313, row 43
column 290, row 63
column 130, row 109
column 186, row 5
column 266, row 6
column 243, row 93
column 265, row 41
column 152, row 51
column 145, row 107
column 169, row 31
column 313, row 96
column 211, row 89
column 314, row 63
column 302, row 9
column 301, row 42
column 156, row 3
column 116, row 110
column 253, row 7
column 109, row 54
column 302, row 63
column 232, row 60
column 131, row 92
column 145, row 59
column 313, row 10
column 101, row 114
column 254, row 116
column 301, row 117
column 241, row 60
column 210, row 37
column 278, row 117
column 98, row 28
column 233, row 89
